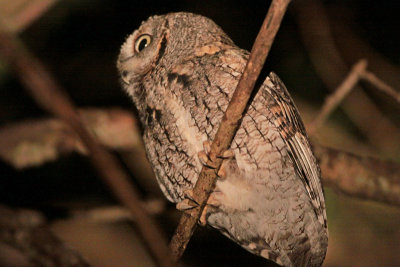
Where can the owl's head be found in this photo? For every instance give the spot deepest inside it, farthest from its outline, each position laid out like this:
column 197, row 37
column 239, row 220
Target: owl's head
column 164, row 41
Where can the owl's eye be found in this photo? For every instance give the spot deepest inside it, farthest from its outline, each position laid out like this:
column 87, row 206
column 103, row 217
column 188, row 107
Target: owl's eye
column 142, row 42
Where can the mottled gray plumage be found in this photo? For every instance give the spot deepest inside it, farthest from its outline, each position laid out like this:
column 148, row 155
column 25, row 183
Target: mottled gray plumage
column 181, row 70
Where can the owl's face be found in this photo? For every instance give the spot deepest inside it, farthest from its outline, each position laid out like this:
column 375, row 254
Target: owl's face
column 142, row 50
column 163, row 42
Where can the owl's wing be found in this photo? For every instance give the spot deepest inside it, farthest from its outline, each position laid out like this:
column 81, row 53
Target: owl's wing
column 291, row 128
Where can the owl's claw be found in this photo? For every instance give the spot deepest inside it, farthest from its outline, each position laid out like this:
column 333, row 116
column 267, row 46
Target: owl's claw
column 203, row 157
column 228, row 154
column 203, row 217
column 188, row 205
column 222, row 170
column 204, row 154
column 188, row 194
column 211, row 202
column 207, row 147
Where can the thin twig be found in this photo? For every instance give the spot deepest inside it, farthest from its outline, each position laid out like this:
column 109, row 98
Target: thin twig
column 341, row 92
column 229, row 124
column 381, row 85
column 49, row 94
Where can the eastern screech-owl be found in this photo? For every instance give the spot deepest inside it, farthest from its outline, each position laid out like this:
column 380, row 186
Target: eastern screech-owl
column 181, row 70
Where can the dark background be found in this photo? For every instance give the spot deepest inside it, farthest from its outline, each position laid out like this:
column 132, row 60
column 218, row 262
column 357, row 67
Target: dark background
column 79, row 42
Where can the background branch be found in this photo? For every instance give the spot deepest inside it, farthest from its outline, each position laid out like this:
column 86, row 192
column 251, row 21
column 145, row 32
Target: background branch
column 345, row 172
column 340, row 93
column 381, row 85
column 357, row 72
column 19, row 14
column 316, row 34
column 229, row 124
column 25, row 240
column 35, row 142
column 49, row 95
column 357, row 176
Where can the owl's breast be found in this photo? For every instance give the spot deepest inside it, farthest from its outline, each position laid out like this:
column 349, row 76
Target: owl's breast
column 172, row 141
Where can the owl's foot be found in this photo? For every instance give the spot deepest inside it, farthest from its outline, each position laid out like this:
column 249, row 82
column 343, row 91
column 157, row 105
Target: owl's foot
column 227, row 156
column 204, row 157
column 212, row 202
column 189, row 205
column 204, row 154
column 186, row 205
column 207, row 147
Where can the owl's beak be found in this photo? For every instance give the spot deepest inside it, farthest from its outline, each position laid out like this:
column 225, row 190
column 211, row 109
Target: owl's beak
column 125, row 77
column 123, row 70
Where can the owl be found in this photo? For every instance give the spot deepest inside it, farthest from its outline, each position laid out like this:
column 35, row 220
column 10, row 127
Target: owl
column 181, row 69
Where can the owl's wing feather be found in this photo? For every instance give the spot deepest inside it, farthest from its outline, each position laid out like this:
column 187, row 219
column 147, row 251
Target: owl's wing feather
column 291, row 128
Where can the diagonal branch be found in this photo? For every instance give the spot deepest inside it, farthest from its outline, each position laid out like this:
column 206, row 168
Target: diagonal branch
column 49, row 94
column 358, row 71
column 381, row 85
column 229, row 124
column 340, row 93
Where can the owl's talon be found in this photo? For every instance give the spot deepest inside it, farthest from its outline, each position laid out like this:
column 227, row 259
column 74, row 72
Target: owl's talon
column 207, row 147
column 189, row 205
column 222, row 170
column 228, row 154
column 188, row 194
column 203, row 217
column 211, row 202
column 203, row 157
column 204, row 154
column 186, row 205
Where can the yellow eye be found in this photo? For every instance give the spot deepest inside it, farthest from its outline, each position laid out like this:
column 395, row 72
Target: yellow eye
column 142, row 42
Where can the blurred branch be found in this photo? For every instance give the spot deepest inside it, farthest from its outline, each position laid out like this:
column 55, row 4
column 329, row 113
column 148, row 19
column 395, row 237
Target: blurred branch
column 316, row 35
column 353, row 47
column 334, row 100
column 35, row 142
column 381, row 85
column 110, row 214
column 358, row 71
column 230, row 121
column 25, row 240
column 19, row 14
column 48, row 94
column 358, row 176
